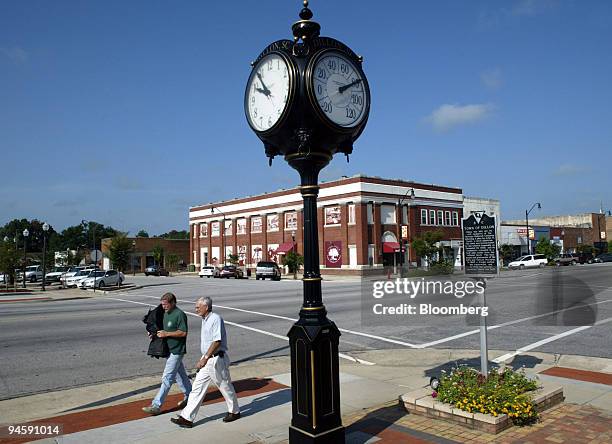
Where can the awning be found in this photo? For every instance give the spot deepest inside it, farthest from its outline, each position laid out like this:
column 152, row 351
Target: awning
column 392, row 247
column 284, row 248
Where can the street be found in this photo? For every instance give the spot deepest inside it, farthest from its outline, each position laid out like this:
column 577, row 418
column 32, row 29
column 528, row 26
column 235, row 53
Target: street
column 67, row 343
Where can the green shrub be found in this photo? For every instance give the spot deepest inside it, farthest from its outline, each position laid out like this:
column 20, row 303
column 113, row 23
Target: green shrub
column 442, row 267
column 498, row 393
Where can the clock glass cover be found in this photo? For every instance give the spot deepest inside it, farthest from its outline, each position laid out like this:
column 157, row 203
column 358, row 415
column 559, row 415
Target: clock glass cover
column 267, row 92
column 339, row 88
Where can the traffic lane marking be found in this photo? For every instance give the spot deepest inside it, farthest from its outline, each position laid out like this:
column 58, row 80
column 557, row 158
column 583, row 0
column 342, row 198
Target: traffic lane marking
column 505, row 324
column 256, row 330
column 556, row 337
column 343, row 330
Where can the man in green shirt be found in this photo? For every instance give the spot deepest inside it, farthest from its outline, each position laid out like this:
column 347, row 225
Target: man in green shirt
column 175, row 332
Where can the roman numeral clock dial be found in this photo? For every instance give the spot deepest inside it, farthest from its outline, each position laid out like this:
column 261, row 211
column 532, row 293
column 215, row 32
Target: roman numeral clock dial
column 339, row 88
column 267, row 92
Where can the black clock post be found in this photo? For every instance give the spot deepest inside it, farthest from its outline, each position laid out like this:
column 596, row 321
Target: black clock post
column 308, row 99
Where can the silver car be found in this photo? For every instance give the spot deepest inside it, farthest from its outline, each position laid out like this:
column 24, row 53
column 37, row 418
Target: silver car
column 101, row 279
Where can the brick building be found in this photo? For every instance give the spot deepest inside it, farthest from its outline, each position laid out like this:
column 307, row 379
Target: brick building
column 142, row 254
column 568, row 231
column 359, row 224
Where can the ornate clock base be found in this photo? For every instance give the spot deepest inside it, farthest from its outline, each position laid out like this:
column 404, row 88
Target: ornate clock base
column 315, row 381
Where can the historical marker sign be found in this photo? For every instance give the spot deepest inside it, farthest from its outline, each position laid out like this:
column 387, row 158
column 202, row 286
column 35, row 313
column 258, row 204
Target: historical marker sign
column 480, row 245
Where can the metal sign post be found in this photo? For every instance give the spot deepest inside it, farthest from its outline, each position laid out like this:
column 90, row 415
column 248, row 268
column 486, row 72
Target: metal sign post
column 481, row 260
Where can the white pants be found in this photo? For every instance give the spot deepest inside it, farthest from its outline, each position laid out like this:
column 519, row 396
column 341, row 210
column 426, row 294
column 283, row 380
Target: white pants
column 216, row 370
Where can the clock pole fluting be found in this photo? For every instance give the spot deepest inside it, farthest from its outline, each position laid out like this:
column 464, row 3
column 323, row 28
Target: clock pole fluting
column 308, row 99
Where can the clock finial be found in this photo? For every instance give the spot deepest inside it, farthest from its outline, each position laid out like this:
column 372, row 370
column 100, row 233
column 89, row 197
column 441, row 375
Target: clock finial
column 305, row 29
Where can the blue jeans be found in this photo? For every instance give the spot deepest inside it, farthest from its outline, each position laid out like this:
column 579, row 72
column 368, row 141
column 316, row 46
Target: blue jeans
column 174, row 367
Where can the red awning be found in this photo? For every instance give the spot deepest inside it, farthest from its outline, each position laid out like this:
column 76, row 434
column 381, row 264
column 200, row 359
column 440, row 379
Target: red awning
column 392, row 247
column 284, row 248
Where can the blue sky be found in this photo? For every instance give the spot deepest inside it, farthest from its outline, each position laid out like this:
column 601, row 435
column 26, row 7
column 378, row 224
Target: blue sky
column 127, row 113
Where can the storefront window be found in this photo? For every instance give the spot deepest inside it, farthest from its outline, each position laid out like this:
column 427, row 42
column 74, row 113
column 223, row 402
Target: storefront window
column 256, row 224
column 291, row 221
column 332, row 215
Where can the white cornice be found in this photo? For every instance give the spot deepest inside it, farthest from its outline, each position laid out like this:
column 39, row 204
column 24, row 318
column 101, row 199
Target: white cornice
column 368, row 192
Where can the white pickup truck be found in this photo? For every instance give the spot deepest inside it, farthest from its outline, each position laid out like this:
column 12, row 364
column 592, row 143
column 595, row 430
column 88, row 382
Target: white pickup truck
column 33, row 273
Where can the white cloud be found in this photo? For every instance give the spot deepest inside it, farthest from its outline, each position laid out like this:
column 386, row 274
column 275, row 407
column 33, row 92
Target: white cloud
column 569, row 169
column 492, row 78
column 532, row 7
column 16, row 54
column 448, row 116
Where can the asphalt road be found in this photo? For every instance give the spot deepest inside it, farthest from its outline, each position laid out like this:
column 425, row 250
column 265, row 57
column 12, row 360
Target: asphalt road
column 60, row 344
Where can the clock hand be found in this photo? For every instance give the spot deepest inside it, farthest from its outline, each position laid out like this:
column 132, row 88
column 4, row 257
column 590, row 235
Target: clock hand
column 259, row 90
column 345, row 87
column 266, row 91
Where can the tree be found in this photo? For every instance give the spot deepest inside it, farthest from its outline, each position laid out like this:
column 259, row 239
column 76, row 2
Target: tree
column 119, row 251
column 172, row 261
column 9, row 260
column 583, row 248
column 506, row 252
column 610, row 246
column 548, row 249
column 293, row 260
column 173, row 234
column 233, row 259
column 425, row 245
column 142, row 233
column 158, row 254
column 35, row 237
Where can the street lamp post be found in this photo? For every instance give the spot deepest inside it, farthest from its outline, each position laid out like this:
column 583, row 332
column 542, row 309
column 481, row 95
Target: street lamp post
column 537, row 204
column 222, row 229
column 294, row 250
column 26, row 233
column 133, row 257
column 45, row 228
column 6, row 274
column 409, row 195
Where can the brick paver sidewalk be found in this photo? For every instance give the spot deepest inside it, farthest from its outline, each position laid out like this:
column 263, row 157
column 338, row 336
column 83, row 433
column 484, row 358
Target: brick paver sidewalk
column 565, row 423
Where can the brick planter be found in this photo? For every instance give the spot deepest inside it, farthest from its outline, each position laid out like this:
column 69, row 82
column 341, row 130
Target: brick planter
column 420, row 402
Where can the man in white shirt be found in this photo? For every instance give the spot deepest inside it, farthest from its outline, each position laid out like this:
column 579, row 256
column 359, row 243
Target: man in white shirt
column 213, row 366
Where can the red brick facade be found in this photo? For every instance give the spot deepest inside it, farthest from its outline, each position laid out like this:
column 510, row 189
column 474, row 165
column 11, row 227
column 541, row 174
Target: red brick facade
column 335, row 201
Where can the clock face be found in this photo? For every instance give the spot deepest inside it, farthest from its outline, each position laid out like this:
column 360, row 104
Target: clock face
column 340, row 89
column 267, row 92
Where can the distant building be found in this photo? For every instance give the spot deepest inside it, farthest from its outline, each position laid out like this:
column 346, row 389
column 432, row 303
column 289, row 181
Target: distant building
column 142, row 255
column 569, row 231
column 360, row 225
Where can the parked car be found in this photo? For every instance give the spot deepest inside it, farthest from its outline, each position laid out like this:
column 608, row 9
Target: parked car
column 528, row 261
column 33, row 273
column 74, row 269
column 101, row 279
column 231, row 271
column 603, row 257
column 55, row 274
column 566, row 259
column 73, row 281
column 155, row 270
column 267, row 269
column 209, row 271
column 584, row 258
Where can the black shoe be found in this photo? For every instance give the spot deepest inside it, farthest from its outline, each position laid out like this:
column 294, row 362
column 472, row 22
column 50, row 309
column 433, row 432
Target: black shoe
column 231, row 417
column 182, row 422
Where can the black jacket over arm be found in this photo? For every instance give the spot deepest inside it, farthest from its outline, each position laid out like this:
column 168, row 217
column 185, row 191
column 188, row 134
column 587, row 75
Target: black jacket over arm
column 154, row 320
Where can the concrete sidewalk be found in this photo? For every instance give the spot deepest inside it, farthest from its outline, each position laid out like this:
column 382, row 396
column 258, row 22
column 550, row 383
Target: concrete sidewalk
column 111, row 412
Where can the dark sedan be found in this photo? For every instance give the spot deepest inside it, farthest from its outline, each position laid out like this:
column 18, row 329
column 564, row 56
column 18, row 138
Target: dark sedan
column 231, row 271
column 604, row 257
column 156, row 271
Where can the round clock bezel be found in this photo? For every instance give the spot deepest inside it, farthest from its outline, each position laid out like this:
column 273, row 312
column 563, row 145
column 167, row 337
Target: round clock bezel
column 313, row 98
column 292, row 73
